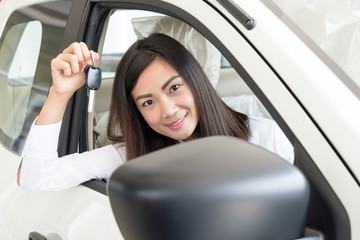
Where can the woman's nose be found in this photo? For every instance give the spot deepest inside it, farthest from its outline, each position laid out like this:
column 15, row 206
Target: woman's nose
column 168, row 108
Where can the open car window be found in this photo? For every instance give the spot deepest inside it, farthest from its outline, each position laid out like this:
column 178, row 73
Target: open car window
column 124, row 27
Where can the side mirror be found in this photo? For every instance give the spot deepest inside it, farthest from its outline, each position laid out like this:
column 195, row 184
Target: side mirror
column 211, row 188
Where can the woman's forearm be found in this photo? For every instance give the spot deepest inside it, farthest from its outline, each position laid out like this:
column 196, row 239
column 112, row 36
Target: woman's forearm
column 54, row 108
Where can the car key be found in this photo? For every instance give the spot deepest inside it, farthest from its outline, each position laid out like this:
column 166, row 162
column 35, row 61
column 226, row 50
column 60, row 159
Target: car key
column 93, row 82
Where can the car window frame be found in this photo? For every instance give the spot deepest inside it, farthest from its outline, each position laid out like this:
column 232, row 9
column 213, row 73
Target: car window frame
column 88, row 16
column 75, row 114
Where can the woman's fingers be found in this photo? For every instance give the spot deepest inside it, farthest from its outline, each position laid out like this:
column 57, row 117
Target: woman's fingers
column 68, row 63
column 95, row 56
column 67, row 66
column 90, row 57
column 75, row 49
column 85, row 53
column 58, row 65
column 74, row 58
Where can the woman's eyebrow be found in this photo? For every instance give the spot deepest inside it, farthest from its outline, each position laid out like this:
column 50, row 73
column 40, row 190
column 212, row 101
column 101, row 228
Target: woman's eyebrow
column 143, row 96
column 169, row 81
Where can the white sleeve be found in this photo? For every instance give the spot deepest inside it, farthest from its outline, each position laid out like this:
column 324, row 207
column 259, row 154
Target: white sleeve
column 267, row 134
column 43, row 170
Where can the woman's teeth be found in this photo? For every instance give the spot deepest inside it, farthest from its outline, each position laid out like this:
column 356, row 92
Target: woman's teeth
column 178, row 121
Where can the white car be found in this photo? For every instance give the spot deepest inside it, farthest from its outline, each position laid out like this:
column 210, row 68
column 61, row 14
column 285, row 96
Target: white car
column 296, row 62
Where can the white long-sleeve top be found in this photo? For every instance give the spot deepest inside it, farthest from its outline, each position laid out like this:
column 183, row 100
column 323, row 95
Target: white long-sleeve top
column 43, row 170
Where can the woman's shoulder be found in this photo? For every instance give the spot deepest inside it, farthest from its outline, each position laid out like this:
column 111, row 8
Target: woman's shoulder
column 260, row 126
column 267, row 134
column 260, row 120
column 262, row 130
column 120, row 148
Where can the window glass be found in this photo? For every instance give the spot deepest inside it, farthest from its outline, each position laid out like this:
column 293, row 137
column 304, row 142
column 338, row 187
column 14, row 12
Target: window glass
column 334, row 26
column 19, row 51
column 31, row 38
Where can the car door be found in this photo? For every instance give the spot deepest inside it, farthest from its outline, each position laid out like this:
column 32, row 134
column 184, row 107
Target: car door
column 263, row 60
column 261, row 55
column 32, row 35
column 311, row 82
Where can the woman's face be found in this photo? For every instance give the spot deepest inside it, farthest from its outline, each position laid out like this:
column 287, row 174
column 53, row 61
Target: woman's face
column 165, row 101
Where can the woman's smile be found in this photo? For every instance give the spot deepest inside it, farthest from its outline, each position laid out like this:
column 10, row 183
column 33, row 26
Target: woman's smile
column 178, row 124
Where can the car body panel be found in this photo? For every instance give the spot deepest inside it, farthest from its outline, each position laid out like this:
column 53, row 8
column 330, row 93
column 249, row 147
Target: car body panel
column 320, row 105
column 67, row 214
column 327, row 100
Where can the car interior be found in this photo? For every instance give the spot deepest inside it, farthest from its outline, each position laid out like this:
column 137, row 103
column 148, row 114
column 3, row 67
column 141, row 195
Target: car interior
column 223, row 77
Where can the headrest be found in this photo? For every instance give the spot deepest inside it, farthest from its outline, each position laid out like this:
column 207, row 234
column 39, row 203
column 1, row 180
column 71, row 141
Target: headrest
column 203, row 51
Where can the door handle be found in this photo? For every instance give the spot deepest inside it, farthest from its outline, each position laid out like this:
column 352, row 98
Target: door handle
column 36, row 236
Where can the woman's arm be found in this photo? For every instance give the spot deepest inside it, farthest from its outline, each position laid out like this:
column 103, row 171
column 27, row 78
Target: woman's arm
column 66, row 74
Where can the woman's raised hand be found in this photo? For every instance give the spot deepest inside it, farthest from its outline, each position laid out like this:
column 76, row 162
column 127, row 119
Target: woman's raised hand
column 66, row 68
column 66, row 73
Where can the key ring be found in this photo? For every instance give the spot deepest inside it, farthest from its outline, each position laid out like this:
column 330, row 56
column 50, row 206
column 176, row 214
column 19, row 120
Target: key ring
column 93, row 64
column 92, row 58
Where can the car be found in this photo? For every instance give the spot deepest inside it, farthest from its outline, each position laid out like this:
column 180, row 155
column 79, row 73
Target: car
column 294, row 62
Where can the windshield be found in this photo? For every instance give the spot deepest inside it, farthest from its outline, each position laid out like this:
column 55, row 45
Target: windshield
column 334, row 26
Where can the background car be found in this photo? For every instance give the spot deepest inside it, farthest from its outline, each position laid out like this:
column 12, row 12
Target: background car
column 295, row 62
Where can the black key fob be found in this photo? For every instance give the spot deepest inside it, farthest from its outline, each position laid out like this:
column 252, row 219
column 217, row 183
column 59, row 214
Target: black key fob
column 93, row 77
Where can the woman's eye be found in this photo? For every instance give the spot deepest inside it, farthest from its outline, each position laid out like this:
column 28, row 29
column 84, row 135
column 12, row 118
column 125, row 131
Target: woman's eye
column 148, row 103
column 174, row 88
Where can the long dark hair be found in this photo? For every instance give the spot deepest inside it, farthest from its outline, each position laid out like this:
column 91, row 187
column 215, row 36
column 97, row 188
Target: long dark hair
column 126, row 123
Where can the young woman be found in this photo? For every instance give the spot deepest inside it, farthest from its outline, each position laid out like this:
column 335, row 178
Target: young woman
column 161, row 96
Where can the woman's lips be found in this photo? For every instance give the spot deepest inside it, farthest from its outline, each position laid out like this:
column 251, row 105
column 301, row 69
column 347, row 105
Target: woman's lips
column 178, row 124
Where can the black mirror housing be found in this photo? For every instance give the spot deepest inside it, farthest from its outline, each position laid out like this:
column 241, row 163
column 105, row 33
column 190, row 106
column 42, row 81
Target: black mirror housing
column 209, row 189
